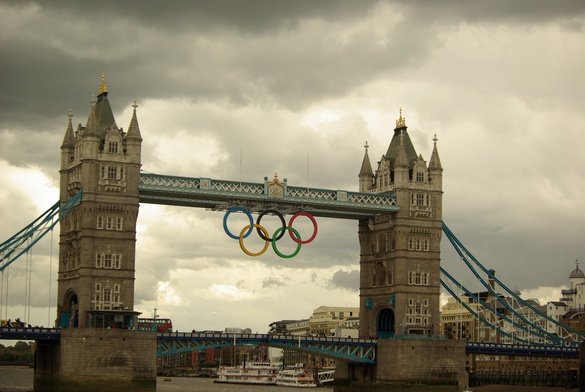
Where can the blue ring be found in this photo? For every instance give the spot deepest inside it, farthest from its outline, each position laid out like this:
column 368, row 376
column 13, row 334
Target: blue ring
column 245, row 211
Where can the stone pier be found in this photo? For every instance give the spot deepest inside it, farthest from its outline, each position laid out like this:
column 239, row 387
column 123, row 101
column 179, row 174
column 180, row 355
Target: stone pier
column 97, row 360
column 407, row 362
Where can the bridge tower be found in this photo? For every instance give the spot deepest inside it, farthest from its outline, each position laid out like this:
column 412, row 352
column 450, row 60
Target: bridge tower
column 400, row 273
column 400, row 252
column 98, row 349
column 97, row 240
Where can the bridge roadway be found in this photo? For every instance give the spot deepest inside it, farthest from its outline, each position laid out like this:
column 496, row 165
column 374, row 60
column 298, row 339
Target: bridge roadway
column 353, row 350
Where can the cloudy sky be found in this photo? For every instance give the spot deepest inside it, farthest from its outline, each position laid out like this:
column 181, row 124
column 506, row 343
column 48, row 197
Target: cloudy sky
column 240, row 90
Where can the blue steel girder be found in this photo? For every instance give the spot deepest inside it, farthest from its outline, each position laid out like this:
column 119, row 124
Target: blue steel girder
column 222, row 195
column 352, row 350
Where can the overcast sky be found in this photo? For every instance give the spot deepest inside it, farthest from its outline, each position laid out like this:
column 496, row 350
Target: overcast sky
column 239, row 90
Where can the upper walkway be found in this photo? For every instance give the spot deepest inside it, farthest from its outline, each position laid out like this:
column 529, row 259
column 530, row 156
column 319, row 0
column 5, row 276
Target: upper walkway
column 223, row 195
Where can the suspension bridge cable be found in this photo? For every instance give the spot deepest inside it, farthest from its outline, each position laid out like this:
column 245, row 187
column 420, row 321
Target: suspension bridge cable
column 50, row 278
column 494, row 310
column 459, row 247
column 474, row 313
column 491, row 290
column 10, row 250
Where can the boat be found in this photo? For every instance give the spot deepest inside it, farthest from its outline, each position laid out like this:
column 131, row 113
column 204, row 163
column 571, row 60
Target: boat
column 295, row 376
column 258, row 373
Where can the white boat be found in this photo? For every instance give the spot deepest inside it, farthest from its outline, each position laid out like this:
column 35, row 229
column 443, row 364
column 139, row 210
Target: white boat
column 295, row 377
column 259, row 373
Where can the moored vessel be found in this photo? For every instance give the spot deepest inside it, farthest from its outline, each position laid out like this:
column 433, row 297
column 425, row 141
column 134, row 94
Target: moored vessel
column 295, row 377
column 259, row 373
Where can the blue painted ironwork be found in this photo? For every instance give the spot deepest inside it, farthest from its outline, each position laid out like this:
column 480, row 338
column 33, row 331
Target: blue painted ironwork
column 25, row 239
column 352, row 350
column 223, row 195
column 525, row 350
column 30, row 333
column 535, row 327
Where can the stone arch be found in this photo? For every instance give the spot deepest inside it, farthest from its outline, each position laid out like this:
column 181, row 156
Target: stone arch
column 70, row 316
column 385, row 323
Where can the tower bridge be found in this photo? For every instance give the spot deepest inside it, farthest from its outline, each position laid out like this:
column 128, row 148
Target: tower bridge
column 399, row 212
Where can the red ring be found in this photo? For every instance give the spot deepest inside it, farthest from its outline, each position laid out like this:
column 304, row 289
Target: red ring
column 315, row 227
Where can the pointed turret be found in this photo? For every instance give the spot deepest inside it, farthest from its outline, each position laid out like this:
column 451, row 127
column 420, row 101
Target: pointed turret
column 133, row 138
column 435, row 162
column 68, row 140
column 401, row 129
column 103, row 111
column 134, row 128
column 366, row 175
column 435, row 168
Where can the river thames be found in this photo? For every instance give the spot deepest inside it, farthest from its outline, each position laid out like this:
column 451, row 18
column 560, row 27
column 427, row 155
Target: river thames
column 21, row 380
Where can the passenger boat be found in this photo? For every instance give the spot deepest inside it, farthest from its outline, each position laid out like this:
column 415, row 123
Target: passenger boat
column 259, row 373
column 295, row 377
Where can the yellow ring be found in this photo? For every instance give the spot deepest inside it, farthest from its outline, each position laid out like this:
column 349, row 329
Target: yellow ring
column 246, row 251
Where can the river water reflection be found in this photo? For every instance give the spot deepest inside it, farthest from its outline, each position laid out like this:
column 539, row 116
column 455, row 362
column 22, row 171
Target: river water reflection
column 21, row 380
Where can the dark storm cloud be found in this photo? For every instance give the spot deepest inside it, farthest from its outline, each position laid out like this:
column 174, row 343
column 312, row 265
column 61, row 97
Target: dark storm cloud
column 218, row 50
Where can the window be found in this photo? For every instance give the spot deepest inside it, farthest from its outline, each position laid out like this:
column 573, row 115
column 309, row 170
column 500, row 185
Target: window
column 98, row 260
column 116, row 288
column 107, row 261
column 109, row 223
column 98, row 288
column 102, row 171
column 112, row 173
column 113, row 147
column 107, row 295
column 100, row 222
column 420, row 177
column 119, row 224
column 117, row 261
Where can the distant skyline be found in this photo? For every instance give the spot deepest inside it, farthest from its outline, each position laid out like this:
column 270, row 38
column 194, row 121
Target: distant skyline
column 239, row 91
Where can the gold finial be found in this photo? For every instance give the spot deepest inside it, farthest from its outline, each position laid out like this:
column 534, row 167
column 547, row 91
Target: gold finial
column 103, row 85
column 366, row 146
column 435, row 139
column 275, row 179
column 134, row 106
column 70, row 114
column 401, row 122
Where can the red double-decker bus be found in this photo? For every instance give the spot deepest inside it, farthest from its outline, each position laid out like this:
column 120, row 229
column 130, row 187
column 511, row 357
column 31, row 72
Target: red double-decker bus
column 157, row 324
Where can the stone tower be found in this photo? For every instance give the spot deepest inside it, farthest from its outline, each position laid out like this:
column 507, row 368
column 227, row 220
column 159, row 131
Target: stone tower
column 97, row 240
column 400, row 252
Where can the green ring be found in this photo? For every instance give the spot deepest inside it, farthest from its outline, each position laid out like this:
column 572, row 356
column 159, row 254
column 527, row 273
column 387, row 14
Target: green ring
column 296, row 252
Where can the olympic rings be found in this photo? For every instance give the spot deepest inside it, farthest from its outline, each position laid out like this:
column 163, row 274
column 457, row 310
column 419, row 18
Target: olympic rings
column 265, row 238
column 296, row 252
column 263, row 234
column 245, row 211
column 297, row 239
column 246, row 251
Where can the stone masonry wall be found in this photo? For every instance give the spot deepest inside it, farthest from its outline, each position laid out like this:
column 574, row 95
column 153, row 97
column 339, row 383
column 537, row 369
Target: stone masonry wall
column 426, row 361
column 104, row 359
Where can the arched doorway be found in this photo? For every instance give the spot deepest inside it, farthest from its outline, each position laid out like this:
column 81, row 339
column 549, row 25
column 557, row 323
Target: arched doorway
column 70, row 317
column 385, row 324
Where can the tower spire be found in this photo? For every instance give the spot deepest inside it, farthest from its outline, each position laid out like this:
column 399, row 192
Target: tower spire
column 401, row 122
column 103, row 88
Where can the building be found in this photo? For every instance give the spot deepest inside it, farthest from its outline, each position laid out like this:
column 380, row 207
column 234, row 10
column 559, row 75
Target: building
column 400, row 251
column 98, row 236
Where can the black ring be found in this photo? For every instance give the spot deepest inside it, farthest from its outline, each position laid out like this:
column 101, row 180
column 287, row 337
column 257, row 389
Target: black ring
column 281, row 220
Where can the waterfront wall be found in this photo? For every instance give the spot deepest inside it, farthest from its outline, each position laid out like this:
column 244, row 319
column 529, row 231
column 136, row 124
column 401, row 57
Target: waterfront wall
column 97, row 360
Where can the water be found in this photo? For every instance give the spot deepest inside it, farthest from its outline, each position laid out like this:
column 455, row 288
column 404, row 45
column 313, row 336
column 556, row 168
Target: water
column 21, row 380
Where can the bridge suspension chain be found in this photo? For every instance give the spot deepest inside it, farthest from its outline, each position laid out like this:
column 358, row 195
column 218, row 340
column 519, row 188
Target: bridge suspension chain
column 518, row 307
